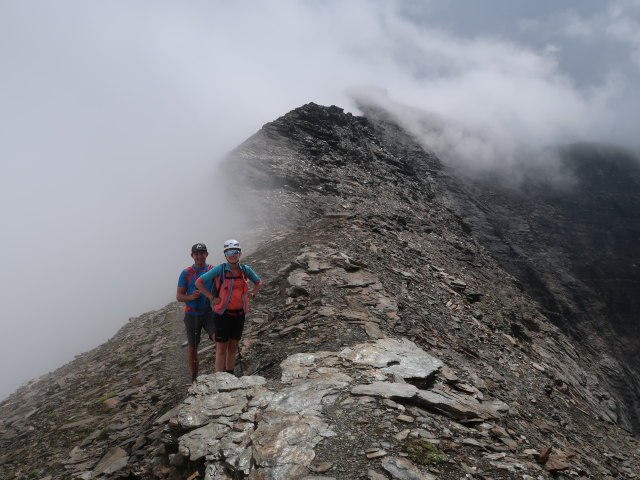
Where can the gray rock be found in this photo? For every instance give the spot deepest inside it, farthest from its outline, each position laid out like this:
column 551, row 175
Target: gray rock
column 115, row 459
column 457, row 406
column 373, row 475
column 203, row 441
column 394, row 357
column 304, row 397
column 287, row 439
column 403, row 469
column 298, row 278
column 170, row 414
column 396, row 391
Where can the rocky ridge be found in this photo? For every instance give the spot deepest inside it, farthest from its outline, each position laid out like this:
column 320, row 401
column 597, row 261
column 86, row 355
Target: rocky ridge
column 387, row 343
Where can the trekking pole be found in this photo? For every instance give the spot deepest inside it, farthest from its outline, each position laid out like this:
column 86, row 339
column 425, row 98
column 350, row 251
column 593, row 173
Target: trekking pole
column 240, row 361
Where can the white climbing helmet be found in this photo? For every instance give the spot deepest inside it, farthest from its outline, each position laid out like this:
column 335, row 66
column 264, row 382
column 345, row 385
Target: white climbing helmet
column 231, row 245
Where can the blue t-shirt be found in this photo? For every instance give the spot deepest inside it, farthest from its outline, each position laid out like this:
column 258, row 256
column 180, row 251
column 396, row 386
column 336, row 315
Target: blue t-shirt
column 216, row 271
column 201, row 305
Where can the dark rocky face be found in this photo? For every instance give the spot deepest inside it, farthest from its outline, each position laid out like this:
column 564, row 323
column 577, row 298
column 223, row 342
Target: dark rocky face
column 575, row 250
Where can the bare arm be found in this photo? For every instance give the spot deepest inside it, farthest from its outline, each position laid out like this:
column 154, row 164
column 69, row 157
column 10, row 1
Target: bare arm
column 207, row 293
column 256, row 288
column 181, row 295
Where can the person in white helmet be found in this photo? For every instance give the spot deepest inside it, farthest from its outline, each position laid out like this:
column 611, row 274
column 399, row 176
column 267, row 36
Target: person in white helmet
column 229, row 296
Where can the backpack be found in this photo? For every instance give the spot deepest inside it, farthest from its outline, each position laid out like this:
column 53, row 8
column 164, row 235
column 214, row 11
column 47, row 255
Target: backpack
column 191, row 275
column 219, row 280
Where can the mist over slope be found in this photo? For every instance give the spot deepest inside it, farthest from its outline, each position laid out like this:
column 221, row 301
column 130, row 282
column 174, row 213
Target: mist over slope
column 364, row 247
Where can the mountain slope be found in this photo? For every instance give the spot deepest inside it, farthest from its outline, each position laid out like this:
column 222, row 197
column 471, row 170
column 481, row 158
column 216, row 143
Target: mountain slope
column 574, row 247
column 359, row 247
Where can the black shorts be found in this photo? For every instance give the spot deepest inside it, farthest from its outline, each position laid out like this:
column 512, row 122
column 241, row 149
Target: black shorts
column 194, row 325
column 228, row 326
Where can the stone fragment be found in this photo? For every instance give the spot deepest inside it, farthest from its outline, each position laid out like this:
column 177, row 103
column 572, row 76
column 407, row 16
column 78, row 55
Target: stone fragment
column 538, row 367
column 405, row 418
column 397, row 391
column 395, row 405
column 326, row 311
column 353, row 315
column 114, row 460
column 171, row 413
column 78, row 423
column 214, row 471
column 373, row 475
column 449, row 375
column 373, row 330
column 458, row 406
column 321, row 467
column 76, row 455
column 544, row 454
column 556, row 462
column 376, row 454
column 403, row 469
column 110, row 403
column 467, row 469
column 472, row 442
column 203, row 441
column 298, row 278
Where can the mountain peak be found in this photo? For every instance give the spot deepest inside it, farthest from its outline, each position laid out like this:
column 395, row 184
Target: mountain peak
column 395, row 337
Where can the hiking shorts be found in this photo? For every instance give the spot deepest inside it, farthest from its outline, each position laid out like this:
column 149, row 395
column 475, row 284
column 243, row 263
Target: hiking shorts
column 228, row 326
column 194, row 324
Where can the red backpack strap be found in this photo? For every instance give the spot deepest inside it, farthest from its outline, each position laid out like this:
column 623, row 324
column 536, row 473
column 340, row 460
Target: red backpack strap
column 243, row 269
column 191, row 272
column 219, row 280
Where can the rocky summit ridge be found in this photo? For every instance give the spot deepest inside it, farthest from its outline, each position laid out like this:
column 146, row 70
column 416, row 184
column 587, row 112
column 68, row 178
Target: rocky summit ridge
column 388, row 343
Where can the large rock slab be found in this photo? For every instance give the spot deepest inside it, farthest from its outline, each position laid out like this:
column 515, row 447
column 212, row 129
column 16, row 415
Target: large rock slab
column 250, row 428
column 288, row 441
column 459, row 406
column 221, row 394
column 392, row 390
column 114, row 460
column 203, row 441
column 392, row 356
column 306, row 397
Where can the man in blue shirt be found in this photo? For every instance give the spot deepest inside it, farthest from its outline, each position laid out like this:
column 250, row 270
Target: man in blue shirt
column 197, row 309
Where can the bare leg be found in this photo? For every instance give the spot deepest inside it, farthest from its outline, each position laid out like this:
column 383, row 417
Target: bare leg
column 231, row 354
column 221, row 355
column 192, row 359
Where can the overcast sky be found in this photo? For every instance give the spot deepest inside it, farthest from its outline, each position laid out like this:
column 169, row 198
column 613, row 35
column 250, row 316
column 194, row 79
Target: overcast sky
column 114, row 113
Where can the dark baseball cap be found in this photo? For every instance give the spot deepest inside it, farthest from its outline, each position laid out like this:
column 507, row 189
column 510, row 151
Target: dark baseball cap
column 199, row 247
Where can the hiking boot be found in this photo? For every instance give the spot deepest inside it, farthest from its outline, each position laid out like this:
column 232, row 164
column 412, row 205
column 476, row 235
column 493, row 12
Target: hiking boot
column 194, row 377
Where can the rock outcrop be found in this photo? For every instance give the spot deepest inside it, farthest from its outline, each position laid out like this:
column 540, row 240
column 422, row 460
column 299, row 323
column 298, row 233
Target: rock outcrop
column 387, row 343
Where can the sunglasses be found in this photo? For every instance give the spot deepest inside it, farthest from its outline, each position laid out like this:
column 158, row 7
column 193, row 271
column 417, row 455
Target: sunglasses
column 228, row 253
